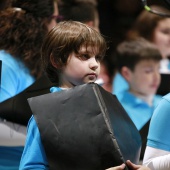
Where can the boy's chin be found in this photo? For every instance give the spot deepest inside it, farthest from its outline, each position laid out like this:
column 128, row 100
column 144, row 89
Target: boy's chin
column 76, row 82
column 149, row 94
column 91, row 82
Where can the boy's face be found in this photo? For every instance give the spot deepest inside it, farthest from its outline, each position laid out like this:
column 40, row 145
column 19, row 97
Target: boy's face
column 145, row 78
column 81, row 68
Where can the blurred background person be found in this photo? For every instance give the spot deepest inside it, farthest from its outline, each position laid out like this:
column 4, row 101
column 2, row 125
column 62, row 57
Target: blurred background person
column 23, row 28
column 20, row 42
column 155, row 29
column 138, row 61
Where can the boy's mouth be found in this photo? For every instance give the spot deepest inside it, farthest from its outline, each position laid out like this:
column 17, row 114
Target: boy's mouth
column 92, row 76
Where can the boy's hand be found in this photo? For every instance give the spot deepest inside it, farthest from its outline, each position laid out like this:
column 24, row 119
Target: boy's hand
column 121, row 167
column 136, row 167
column 130, row 165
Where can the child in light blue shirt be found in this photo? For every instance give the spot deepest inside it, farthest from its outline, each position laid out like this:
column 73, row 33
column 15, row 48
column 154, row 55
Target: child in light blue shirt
column 138, row 62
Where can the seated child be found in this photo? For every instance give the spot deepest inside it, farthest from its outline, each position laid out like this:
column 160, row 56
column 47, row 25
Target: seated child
column 71, row 56
column 138, row 61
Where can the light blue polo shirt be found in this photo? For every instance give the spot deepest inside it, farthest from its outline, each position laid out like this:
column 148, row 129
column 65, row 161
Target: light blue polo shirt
column 138, row 110
column 159, row 131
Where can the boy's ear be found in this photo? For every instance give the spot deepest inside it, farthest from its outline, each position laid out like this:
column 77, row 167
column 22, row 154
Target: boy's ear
column 126, row 73
column 53, row 62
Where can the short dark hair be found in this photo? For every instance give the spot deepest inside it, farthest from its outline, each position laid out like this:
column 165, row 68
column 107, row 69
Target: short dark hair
column 65, row 38
column 130, row 52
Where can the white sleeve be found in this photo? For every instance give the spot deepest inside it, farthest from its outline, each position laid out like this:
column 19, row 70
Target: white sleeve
column 156, row 159
column 12, row 134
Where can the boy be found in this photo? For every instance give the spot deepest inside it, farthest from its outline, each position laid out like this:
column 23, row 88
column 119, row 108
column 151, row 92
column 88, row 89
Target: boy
column 87, row 13
column 71, row 56
column 138, row 61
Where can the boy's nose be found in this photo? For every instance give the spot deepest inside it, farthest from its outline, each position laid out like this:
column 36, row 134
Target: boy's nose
column 93, row 63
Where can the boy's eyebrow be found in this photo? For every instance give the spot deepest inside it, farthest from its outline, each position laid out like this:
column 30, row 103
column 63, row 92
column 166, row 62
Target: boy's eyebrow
column 88, row 51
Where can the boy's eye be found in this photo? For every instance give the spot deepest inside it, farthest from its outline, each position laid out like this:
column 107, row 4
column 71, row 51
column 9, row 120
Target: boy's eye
column 87, row 56
column 166, row 31
column 148, row 70
column 83, row 56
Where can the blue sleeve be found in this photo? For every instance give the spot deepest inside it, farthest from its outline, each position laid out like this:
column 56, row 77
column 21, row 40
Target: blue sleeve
column 15, row 77
column 8, row 82
column 159, row 131
column 33, row 156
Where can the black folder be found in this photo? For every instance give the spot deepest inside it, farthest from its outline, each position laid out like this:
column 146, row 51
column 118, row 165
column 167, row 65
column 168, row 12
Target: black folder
column 16, row 109
column 85, row 128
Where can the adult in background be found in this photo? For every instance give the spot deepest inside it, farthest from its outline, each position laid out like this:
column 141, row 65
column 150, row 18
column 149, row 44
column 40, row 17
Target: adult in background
column 23, row 28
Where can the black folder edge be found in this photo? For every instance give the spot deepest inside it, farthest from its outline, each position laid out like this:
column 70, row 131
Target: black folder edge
column 106, row 118
column 108, row 123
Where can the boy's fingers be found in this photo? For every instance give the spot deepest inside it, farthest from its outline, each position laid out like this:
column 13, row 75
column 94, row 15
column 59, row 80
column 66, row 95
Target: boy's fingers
column 121, row 167
column 132, row 165
column 136, row 167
